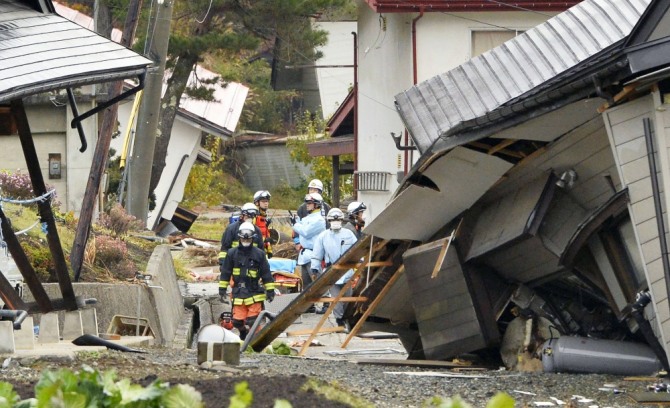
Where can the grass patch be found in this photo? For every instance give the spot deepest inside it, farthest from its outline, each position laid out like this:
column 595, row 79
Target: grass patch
column 335, row 392
column 205, row 228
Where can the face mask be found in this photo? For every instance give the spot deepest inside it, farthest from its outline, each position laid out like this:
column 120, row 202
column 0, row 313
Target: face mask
column 245, row 243
column 335, row 225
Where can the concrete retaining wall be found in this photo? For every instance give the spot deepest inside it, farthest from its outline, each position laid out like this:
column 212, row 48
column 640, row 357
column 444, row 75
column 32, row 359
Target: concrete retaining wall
column 163, row 308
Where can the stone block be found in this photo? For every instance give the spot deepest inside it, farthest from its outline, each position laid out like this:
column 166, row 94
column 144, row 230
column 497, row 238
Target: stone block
column 72, row 325
column 24, row 338
column 7, row 337
column 89, row 321
column 49, row 330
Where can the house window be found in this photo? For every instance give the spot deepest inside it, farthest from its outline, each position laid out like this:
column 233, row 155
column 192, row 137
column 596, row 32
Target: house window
column 7, row 123
column 484, row 40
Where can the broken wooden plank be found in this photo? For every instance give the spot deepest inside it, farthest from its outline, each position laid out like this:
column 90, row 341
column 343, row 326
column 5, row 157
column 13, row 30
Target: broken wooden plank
column 420, row 363
column 304, row 332
column 343, row 299
column 649, row 397
column 373, row 305
column 330, row 309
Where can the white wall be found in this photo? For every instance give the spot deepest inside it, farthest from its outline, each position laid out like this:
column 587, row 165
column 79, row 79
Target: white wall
column 385, row 69
column 51, row 131
column 334, row 83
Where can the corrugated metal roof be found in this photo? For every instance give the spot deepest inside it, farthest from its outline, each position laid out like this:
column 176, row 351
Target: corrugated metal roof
column 40, row 52
column 485, row 83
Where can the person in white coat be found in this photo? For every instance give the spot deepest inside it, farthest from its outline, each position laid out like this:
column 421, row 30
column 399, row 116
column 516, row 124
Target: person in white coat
column 308, row 228
column 328, row 248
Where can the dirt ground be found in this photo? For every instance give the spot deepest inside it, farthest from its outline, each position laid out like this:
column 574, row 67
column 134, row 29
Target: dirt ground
column 174, row 367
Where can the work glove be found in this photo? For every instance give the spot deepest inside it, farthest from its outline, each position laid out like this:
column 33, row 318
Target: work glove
column 223, row 295
column 270, row 295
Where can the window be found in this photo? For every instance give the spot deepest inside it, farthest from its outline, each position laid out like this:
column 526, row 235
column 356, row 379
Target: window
column 485, row 40
column 7, row 123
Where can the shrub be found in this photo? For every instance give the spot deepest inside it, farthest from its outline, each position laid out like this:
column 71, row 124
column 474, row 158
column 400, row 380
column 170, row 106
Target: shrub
column 18, row 186
column 112, row 254
column 119, row 221
column 39, row 256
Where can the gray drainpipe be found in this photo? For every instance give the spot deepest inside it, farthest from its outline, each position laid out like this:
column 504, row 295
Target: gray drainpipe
column 657, row 202
column 18, row 315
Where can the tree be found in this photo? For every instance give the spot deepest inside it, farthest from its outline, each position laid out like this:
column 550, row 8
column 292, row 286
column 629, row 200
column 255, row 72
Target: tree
column 310, row 128
column 235, row 27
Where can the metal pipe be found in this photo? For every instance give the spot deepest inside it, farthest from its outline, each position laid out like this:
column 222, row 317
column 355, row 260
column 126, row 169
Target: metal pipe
column 254, row 326
column 355, row 92
column 18, row 316
column 409, row 154
column 657, row 202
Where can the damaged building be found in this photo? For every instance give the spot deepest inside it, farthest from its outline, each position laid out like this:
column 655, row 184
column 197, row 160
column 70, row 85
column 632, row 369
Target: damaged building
column 540, row 191
column 537, row 207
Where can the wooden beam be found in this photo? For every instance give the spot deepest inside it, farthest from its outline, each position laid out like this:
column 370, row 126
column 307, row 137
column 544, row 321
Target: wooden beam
column 373, row 305
column 330, row 309
column 343, row 299
column 625, row 92
column 44, row 206
column 443, row 251
column 500, row 146
column 304, row 332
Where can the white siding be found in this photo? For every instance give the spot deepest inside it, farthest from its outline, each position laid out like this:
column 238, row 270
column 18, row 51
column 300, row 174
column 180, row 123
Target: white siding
column 626, row 132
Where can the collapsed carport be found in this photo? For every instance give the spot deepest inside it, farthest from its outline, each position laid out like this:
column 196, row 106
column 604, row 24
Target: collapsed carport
column 535, row 160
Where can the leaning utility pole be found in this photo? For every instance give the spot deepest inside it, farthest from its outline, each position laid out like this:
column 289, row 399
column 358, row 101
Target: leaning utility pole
column 99, row 163
column 141, row 159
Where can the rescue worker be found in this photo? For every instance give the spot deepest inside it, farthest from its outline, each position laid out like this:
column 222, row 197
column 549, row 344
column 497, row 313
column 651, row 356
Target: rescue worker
column 229, row 237
column 262, row 202
column 314, row 186
column 355, row 213
column 329, row 247
column 307, row 229
column 249, row 268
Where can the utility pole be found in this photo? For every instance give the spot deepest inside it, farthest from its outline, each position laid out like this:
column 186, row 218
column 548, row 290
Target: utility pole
column 99, row 163
column 141, row 159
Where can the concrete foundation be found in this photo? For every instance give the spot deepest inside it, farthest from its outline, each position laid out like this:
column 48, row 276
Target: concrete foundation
column 7, row 337
column 49, row 329
column 72, row 325
column 24, row 338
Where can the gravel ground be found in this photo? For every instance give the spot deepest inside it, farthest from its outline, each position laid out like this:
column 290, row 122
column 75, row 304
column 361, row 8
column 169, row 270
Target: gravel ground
column 272, row 377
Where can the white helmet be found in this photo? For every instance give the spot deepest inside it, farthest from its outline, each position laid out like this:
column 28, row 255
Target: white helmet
column 335, row 214
column 246, row 230
column 314, row 198
column 355, row 207
column 249, row 209
column 316, row 183
column 261, row 195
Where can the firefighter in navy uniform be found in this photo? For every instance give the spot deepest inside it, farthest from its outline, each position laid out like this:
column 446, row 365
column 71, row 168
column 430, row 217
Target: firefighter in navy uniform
column 253, row 284
column 229, row 239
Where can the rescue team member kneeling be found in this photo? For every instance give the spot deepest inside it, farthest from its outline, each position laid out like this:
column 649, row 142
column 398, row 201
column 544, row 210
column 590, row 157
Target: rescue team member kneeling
column 252, row 280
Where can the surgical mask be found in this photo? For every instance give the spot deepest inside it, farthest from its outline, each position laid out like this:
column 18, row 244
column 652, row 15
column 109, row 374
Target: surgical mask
column 245, row 243
column 335, row 225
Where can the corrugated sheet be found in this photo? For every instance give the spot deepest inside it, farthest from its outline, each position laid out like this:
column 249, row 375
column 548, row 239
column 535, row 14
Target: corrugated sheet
column 486, row 82
column 43, row 51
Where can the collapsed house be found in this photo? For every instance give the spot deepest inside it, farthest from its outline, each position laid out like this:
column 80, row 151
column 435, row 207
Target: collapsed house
column 544, row 168
column 539, row 196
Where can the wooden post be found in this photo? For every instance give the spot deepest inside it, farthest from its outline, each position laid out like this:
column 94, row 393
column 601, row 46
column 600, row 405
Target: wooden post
column 373, row 305
column 44, row 207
